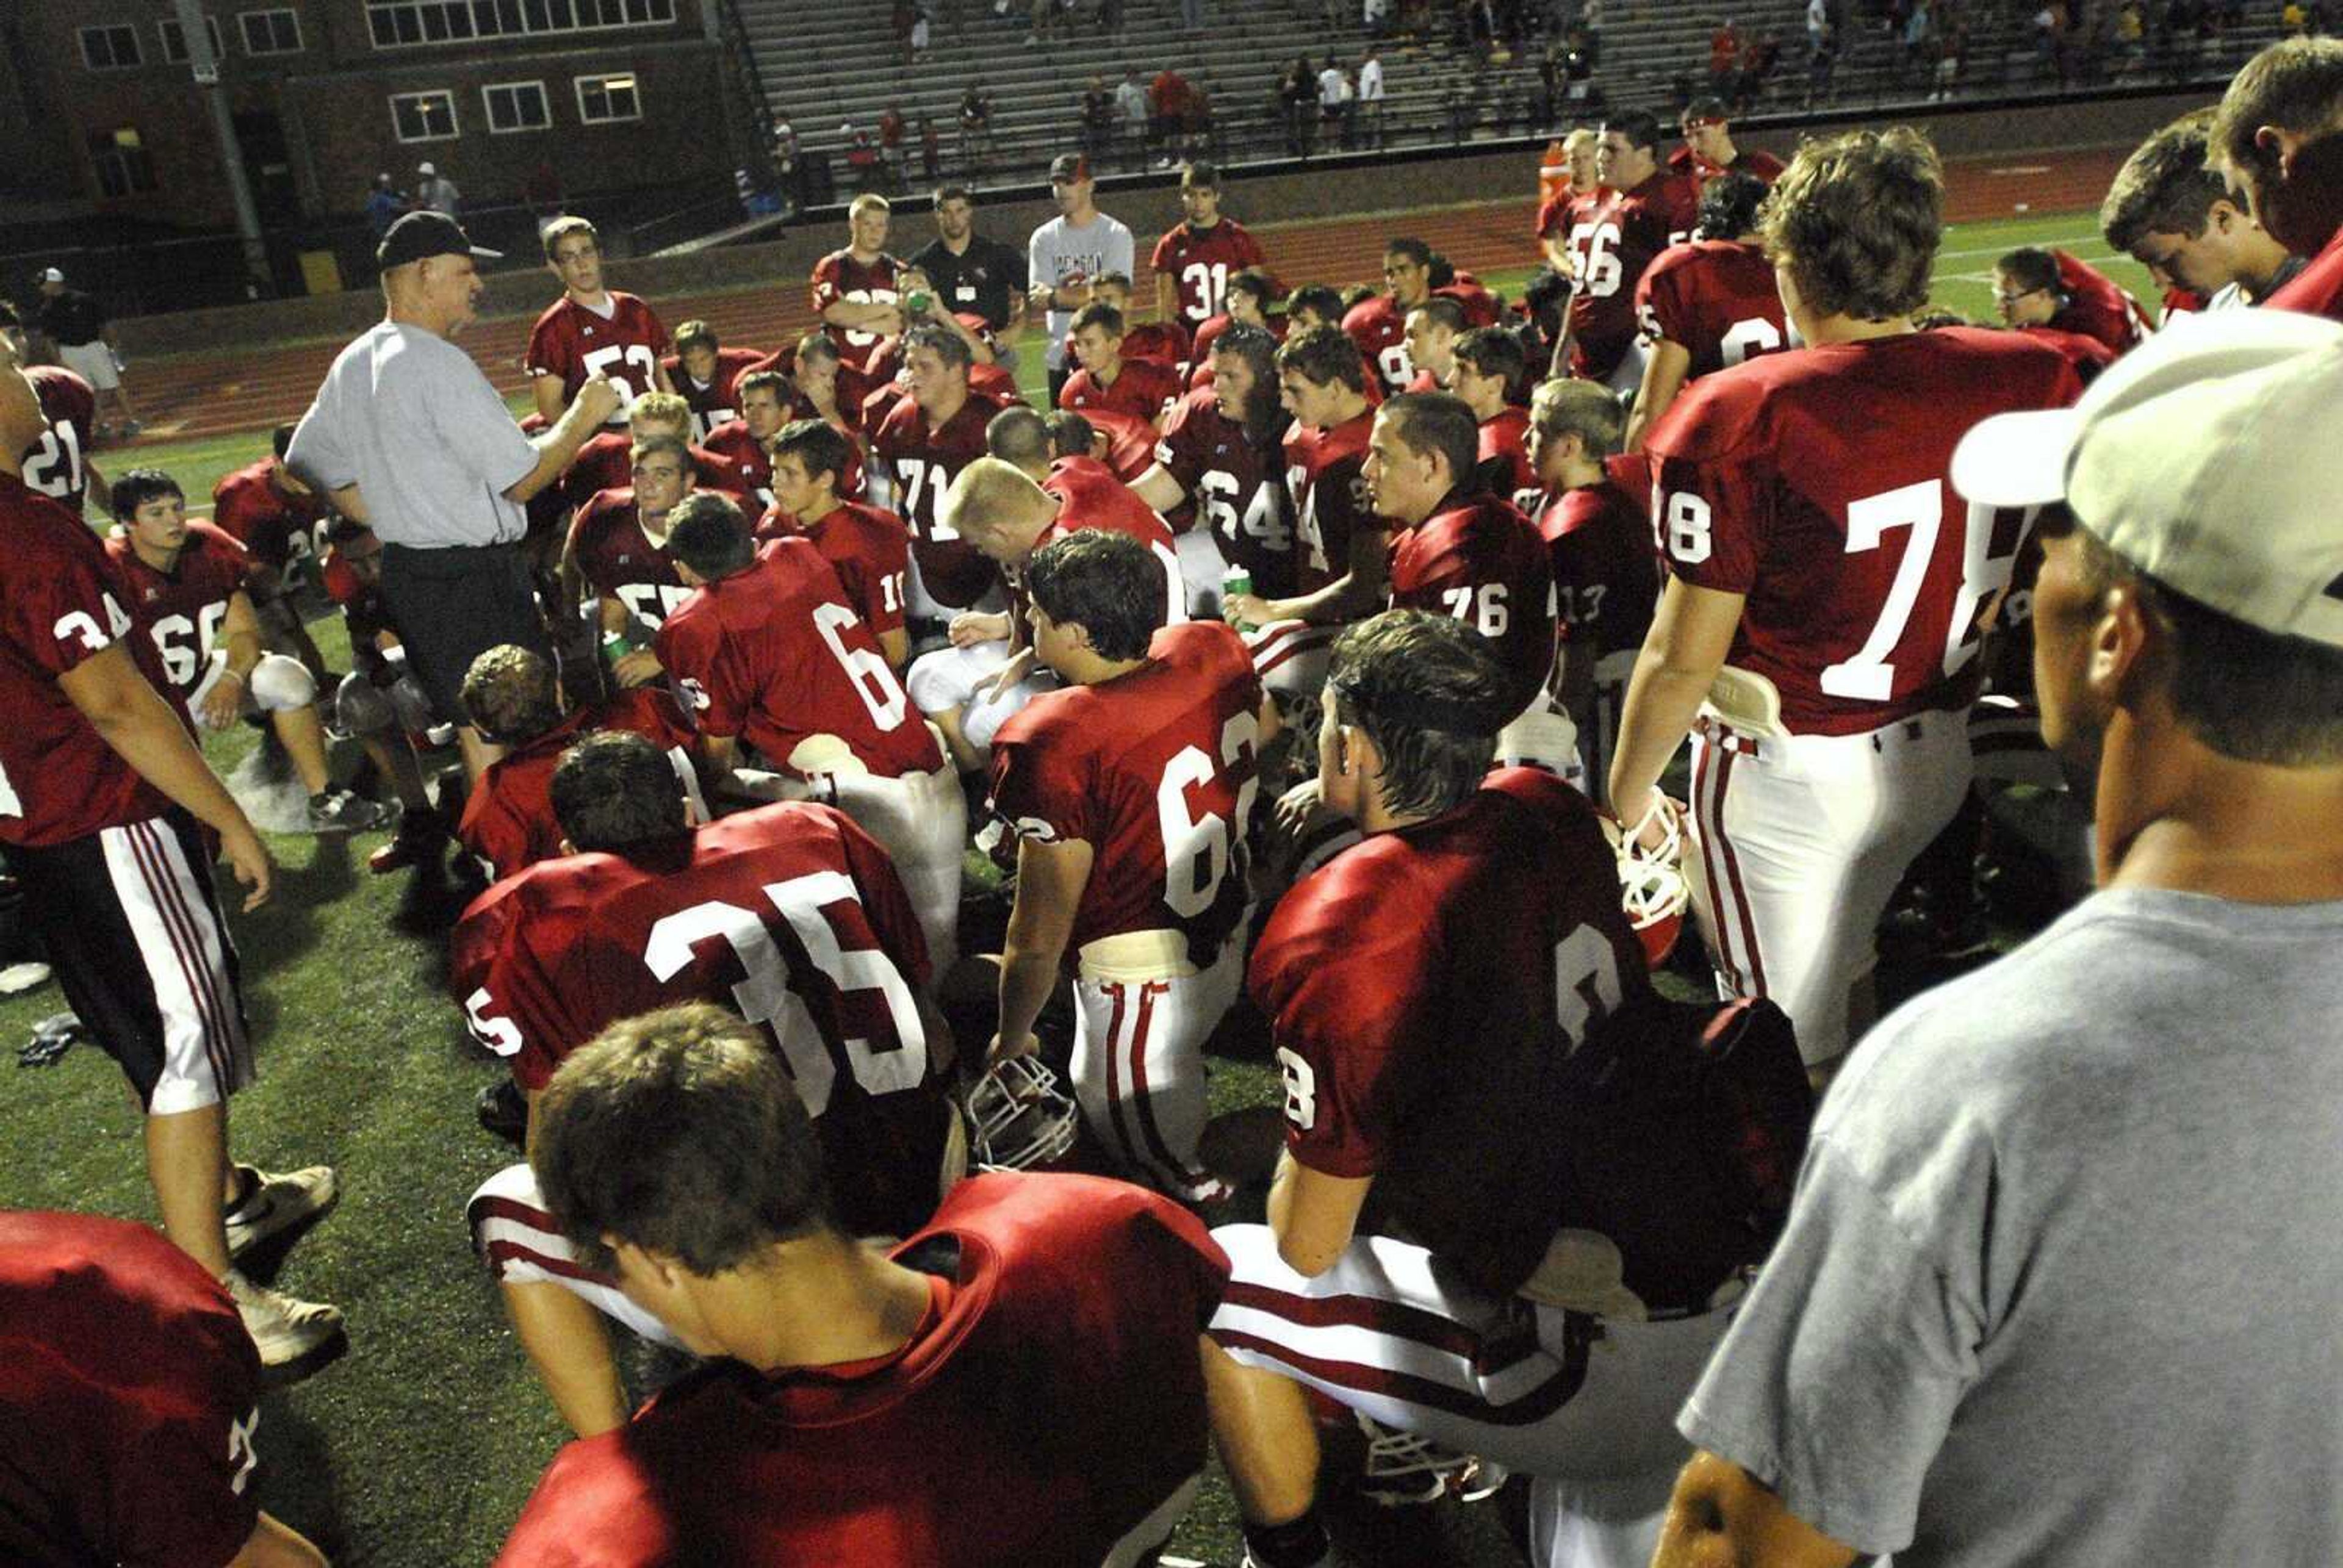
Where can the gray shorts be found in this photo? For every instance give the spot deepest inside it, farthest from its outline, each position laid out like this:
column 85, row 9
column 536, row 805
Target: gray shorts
column 93, row 362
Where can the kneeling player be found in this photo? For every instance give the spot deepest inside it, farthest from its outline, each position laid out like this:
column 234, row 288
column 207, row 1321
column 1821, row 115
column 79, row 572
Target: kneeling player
column 992, row 1391
column 185, row 583
column 790, row 914
column 1130, row 793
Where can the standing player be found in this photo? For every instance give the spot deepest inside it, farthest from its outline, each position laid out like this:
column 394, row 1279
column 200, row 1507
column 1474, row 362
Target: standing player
column 1825, row 585
column 2272, row 140
column 59, row 465
column 1426, row 991
column 1612, row 241
column 1221, row 451
column 185, row 584
column 1582, row 148
column 1709, row 151
column 868, row 549
column 1197, row 256
column 1130, row 793
column 673, row 1150
column 1706, row 304
column 617, row 554
column 855, row 293
column 1111, row 390
column 704, row 372
column 147, row 1393
column 1379, row 325
column 1598, row 538
column 791, row 915
column 592, row 331
column 1490, row 363
column 744, row 445
column 106, row 800
column 2174, row 215
column 2054, row 291
column 772, row 656
column 933, row 432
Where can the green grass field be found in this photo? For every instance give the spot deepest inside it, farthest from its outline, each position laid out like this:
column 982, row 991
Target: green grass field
column 419, row 1446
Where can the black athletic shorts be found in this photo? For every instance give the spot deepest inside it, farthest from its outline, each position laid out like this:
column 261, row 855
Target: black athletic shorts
column 134, row 934
column 451, row 606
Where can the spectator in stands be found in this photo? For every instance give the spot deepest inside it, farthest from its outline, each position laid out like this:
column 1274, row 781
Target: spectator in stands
column 1723, row 57
column 1097, row 121
column 976, row 142
column 1758, row 58
column 1335, row 108
column 971, row 273
column 2176, row 218
column 1822, row 65
column 2278, row 137
column 1371, row 94
column 891, row 145
column 1297, row 94
column 1167, row 111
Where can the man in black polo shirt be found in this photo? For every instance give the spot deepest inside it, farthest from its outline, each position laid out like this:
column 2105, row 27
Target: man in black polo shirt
column 75, row 322
column 969, row 272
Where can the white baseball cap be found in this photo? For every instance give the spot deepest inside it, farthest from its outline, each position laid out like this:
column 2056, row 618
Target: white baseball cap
column 51, row 274
column 2206, row 458
column 425, row 169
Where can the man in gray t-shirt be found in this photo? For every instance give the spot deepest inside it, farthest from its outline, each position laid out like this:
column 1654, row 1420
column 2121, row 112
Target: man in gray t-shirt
column 1069, row 252
column 410, row 438
column 2060, row 1285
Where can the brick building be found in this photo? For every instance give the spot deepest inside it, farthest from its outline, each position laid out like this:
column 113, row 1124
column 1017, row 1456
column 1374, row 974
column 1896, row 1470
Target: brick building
column 596, row 94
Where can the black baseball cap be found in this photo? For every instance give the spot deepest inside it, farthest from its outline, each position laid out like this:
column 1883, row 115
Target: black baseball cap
column 1069, row 166
column 421, row 235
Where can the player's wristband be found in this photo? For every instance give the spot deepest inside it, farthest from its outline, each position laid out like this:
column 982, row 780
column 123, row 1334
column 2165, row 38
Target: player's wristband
column 241, row 679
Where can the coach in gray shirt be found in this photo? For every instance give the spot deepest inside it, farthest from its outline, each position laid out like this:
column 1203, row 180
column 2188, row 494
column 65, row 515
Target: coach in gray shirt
column 2061, row 1282
column 1069, row 252
column 410, row 438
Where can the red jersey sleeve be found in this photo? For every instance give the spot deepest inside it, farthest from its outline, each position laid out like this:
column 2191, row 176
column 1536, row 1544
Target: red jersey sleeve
column 872, row 553
column 693, row 649
column 513, row 1004
column 825, row 291
column 1713, row 488
column 549, row 349
column 1041, row 786
column 66, row 612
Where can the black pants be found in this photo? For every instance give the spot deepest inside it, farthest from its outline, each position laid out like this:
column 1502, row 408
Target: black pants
column 450, row 606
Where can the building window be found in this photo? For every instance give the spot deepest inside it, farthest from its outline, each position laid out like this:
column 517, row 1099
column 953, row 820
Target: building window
column 602, row 99
column 121, row 162
column 175, row 39
column 516, row 106
column 110, row 48
column 423, row 116
column 271, row 32
column 409, row 24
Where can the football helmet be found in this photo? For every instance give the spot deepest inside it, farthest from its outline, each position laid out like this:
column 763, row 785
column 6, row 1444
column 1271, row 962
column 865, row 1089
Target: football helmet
column 1020, row 1120
column 1652, row 883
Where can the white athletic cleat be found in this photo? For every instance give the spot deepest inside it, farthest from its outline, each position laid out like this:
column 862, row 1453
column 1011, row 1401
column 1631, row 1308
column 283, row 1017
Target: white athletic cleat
column 277, row 1203
column 283, row 1328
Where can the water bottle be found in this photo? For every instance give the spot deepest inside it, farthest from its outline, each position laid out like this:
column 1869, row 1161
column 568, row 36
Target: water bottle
column 1234, row 581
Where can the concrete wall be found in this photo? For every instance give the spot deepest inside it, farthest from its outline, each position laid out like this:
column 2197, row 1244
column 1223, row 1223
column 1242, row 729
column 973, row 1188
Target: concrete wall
column 1328, row 188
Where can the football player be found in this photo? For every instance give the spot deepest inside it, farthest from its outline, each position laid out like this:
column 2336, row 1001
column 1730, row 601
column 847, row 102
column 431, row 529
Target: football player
column 185, row 583
column 606, row 460
column 1826, row 584
column 591, row 329
column 773, row 656
column 1130, row 793
column 1489, row 364
column 1709, row 151
column 2053, row 292
column 1425, row 989
column 379, row 702
column 148, row 1393
column 1220, row 461
column 869, row 548
column 790, row 914
column 857, row 294
column 2273, row 139
column 1598, row 537
column 1251, row 295
column 2174, row 215
column 917, row 449
column 280, row 521
column 1197, row 256
column 1613, row 240
column 59, row 465
column 1556, row 213
column 1165, row 341
column 853, row 1407
column 704, row 374
column 744, row 443
column 1432, row 329
column 515, row 695
column 1708, row 303
column 617, row 554
column 1141, row 391
column 1378, row 324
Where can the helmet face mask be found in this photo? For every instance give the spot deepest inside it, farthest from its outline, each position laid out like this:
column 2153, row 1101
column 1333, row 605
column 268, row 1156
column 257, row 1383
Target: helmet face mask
column 1652, row 884
column 1020, row 1118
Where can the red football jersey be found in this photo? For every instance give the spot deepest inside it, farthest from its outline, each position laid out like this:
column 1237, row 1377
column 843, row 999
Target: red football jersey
column 54, row 464
column 2317, row 289
column 1758, row 166
column 1328, row 495
column 2180, row 302
column 1236, row 487
column 1199, row 350
column 1143, row 389
column 1089, row 496
column 1155, row 342
column 276, row 528
column 922, row 463
column 1199, row 262
column 1815, row 482
column 1714, row 298
column 1556, row 212
column 1424, row 989
column 618, row 560
column 509, row 816
column 2087, row 355
column 917, row 1457
column 1130, row 441
column 839, row 278
column 182, row 610
column 747, row 463
column 849, row 486
column 1379, row 326
column 2097, row 306
column 713, row 402
column 137, row 1391
column 1481, row 562
column 1480, row 305
column 1155, row 770
column 868, row 549
column 789, row 915
column 574, row 343
column 1504, row 459
column 365, row 611
column 1606, row 581
column 1614, row 241
column 607, row 462
column 775, row 654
